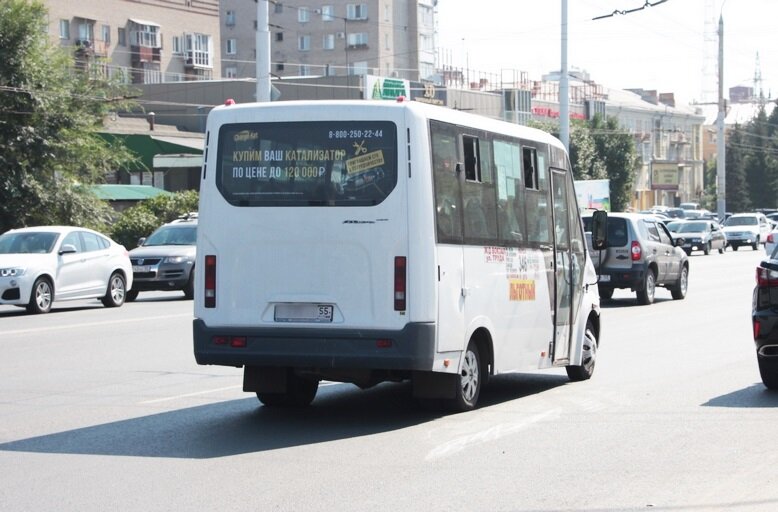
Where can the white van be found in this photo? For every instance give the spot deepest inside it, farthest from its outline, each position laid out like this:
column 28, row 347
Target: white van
column 366, row 241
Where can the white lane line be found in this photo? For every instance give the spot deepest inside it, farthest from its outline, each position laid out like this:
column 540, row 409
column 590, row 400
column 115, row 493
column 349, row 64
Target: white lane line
column 493, row 433
column 93, row 324
column 168, row 398
column 197, row 393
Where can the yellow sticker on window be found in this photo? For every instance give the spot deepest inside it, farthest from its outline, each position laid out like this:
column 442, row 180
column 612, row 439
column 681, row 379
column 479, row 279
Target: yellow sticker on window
column 364, row 162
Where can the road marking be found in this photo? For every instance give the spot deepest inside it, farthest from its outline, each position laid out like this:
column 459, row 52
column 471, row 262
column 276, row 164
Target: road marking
column 94, row 324
column 493, row 433
column 196, row 393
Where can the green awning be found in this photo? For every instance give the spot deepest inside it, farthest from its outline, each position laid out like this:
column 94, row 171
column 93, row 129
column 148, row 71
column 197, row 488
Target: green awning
column 147, row 146
column 127, row 192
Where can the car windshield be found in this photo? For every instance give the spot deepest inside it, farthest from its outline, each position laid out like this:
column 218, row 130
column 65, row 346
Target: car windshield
column 37, row 242
column 673, row 226
column 172, row 235
column 692, row 227
column 741, row 221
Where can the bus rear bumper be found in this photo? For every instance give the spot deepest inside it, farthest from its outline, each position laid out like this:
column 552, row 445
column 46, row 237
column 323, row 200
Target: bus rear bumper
column 412, row 348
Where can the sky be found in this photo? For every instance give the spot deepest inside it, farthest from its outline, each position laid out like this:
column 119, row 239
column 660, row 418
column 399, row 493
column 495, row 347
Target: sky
column 661, row 47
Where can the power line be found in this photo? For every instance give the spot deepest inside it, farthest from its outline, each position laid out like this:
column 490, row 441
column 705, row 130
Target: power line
column 630, row 11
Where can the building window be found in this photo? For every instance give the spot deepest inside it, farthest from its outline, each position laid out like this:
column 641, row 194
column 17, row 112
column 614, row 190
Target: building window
column 305, row 70
column 386, row 42
column 356, row 11
column 358, row 68
column 64, row 29
column 121, row 37
column 86, row 31
column 255, row 24
column 147, row 36
column 357, row 40
column 198, row 50
column 303, row 15
column 229, row 19
column 280, row 66
column 304, row 43
column 387, row 12
column 327, row 13
column 106, row 34
column 279, row 8
column 328, row 43
column 279, row 36
column 232, row 46
column 178, row 46
column 231, row 72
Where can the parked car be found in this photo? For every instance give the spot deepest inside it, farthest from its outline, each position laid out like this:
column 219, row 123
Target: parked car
column 690, row 206
column 746, row 229
column 702, row 235
column 771, row 242
column 42, row 265
column 640, row 255
column 764, row 316
column 165, row 260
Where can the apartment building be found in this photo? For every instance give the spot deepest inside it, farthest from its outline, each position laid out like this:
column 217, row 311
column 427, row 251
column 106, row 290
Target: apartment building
column 392, row 38
column 141, row 41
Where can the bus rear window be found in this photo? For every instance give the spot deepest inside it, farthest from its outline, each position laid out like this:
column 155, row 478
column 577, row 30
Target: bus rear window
column 317, row 163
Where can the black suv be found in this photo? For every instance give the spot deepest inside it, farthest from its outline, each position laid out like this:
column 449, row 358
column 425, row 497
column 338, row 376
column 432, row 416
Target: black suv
column 640, row 255
column 764, row 315
column 165, row 260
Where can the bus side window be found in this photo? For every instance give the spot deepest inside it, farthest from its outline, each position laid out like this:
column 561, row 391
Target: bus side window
column 530, row 164
column 448, row 215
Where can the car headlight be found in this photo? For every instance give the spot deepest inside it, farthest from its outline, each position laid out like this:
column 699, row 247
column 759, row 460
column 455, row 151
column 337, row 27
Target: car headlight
column 12, row 272
column 176, row 259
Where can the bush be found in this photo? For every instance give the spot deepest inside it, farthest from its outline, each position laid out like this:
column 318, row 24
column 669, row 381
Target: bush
column 142, row 219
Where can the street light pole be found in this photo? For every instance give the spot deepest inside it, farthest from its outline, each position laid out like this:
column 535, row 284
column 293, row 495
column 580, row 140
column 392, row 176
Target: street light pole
column 263, row 51
column 564, row 85
column 721, row 171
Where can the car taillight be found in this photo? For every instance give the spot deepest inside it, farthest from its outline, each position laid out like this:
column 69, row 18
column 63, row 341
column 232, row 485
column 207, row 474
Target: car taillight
column 210, row 281
column 399, row 283
column 766, row 277
column 770, row 238
column 636, row 251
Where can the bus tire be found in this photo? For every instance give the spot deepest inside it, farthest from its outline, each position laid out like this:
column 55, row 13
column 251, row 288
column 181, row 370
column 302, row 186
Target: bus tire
column 585, row 370
column 300, row 392
column 470, row 381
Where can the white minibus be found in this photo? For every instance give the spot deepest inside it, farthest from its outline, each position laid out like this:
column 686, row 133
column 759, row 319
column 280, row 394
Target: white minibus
column 372, row 241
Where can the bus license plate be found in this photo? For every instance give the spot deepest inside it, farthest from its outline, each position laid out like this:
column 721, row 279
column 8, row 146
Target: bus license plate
column 316, row 313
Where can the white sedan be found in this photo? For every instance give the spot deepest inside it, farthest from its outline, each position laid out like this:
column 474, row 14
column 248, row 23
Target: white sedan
column 44, row 264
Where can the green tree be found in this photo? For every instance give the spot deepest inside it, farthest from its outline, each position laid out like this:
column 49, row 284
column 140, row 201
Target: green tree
column 616, row 149
column 737, row 197
column 760, row 164
column 143, row 218
column 49, row 112
column 586, row 163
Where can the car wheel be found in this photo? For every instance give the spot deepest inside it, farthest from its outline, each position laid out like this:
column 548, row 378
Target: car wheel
column 41, row 297
column 189, row 288
column 606, row 292
column 646, row 295
column 721, row 249
column 678, row 290
column 131, row 295
column 735, row 247
column 470, row 382
column 768, row 369
column 300, row 392
column 115, row 294
column 706, row 249
column 589, row 357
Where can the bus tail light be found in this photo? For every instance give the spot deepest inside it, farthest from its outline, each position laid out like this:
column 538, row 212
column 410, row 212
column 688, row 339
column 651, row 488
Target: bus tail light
column 636, row 251
column 210, row 281
column 399, row 283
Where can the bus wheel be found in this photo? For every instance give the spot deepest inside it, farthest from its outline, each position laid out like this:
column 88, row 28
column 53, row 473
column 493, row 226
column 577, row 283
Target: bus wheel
column 300, row 392
column 470, row 381
column 588, row 358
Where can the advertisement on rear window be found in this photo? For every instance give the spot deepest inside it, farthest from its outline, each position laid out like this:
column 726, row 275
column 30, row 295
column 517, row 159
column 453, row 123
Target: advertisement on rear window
column 352, row 163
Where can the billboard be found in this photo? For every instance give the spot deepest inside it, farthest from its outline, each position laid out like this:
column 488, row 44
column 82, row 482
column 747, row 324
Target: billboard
column 593, row 194
column 665, row 176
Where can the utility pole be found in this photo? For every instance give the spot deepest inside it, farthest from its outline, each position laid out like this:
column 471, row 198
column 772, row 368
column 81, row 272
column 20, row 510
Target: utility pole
column 263, row 51
column 721, row 173
column 564, row 96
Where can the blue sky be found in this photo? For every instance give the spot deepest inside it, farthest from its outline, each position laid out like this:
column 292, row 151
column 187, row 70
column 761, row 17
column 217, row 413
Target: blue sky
column 661, row 47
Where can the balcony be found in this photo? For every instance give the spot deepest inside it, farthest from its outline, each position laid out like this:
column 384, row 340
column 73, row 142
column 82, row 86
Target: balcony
column 140, row 54
column 86, row 48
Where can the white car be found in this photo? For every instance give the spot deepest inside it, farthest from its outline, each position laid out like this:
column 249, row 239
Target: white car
column 746, row 229
column 44, row 264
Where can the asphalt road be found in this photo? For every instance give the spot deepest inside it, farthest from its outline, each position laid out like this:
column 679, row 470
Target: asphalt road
column 106, row 409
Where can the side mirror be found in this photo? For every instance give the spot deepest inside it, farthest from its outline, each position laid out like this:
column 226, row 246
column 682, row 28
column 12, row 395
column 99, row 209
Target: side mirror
column 599, row 230
column 141, row 240
column 67, row 249
column 678, row 242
